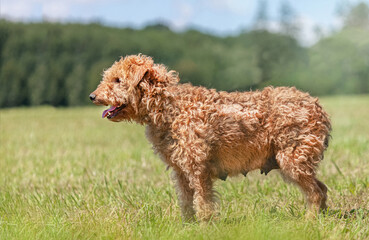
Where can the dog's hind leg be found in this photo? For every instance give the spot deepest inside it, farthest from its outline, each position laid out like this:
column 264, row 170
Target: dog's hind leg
column 297, row 166
column 323, row 187
column 185, row 195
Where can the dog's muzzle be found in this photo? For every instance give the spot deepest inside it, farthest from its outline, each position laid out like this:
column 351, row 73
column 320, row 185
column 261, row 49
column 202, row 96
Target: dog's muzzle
column 92, row 96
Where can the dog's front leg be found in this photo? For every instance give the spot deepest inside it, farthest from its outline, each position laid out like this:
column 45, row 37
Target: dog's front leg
column 195, row 194
column 190, row 155
column 204, row 199
column 185, row 194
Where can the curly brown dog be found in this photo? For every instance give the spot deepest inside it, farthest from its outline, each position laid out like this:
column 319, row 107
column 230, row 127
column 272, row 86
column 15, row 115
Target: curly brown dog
column 204, row 134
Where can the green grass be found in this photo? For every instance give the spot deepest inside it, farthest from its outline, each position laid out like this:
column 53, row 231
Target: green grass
column 68, row 174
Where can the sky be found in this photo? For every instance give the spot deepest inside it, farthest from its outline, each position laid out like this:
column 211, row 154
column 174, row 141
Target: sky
column 219, row 17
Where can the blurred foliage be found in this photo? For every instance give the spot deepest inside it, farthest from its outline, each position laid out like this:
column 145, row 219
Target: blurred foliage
column 60, row 64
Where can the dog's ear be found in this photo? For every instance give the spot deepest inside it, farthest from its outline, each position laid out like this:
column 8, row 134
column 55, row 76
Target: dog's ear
column 143, row 72
column 136, row 66
column 139, row 73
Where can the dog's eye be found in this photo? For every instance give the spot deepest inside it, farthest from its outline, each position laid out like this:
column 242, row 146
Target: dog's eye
column 117, row 80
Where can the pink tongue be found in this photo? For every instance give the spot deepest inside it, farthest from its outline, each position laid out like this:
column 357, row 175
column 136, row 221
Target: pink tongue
column 105, row 113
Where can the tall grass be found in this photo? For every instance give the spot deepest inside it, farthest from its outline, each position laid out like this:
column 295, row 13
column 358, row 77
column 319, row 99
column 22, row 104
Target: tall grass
column 68, row 174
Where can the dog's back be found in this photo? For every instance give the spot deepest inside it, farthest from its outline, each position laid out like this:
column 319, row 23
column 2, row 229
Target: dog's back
column 247, row 129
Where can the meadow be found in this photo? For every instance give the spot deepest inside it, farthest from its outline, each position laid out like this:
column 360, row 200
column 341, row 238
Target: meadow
column 68, row 174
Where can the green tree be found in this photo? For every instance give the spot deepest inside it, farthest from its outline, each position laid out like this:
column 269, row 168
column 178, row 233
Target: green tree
column 37, row 83
column 288, row 20
column 261, row 19
column 357, row 17
column 339, row 64
column 76, row 86
column 13, row 85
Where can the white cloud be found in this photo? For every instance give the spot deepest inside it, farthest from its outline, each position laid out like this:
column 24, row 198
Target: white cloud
column 308, row 35
column 17, row 9
column 337, row 23
column 56, row 10
column 239, row 7
column 186, row 12
column 50, row 9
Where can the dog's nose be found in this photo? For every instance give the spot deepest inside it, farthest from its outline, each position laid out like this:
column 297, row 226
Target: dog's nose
column 92, row 96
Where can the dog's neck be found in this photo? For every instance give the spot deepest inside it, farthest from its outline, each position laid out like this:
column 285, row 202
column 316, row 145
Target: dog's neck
column 157, row 107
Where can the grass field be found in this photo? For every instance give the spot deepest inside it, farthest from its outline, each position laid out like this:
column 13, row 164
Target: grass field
column 68, row 174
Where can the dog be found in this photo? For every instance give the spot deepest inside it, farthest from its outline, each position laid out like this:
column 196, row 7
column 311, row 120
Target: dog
column 204, row 134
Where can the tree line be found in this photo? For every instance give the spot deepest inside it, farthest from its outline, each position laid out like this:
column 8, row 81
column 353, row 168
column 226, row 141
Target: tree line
column 60, row 64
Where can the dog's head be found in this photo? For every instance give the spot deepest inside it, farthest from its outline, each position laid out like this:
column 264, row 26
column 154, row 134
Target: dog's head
column 125, row 84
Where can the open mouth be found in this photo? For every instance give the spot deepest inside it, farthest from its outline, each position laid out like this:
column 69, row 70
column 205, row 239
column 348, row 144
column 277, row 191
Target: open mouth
column 112, row 111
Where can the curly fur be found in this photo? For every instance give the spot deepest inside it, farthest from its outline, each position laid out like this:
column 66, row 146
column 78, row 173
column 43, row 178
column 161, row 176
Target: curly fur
column 204, row 134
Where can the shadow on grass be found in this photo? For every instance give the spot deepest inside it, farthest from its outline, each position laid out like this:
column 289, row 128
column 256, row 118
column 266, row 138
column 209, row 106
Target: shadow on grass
column 359, row 213
column 353, row 214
